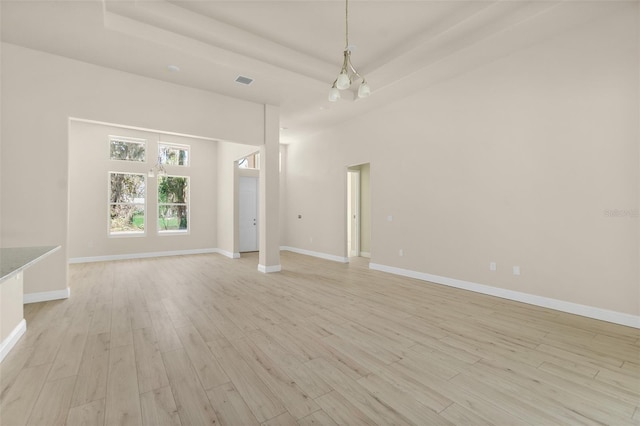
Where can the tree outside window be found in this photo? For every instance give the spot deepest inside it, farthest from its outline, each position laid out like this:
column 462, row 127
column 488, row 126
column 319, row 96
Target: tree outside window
column 173, row 154
column 127, row 149
column 126, row 203
column 173, row 204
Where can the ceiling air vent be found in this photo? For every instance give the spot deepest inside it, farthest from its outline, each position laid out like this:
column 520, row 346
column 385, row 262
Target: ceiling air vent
column 244, row 80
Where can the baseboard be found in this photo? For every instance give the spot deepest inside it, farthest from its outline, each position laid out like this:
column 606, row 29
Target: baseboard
column 545, row 302
column 365, row 254
column 316, row 254
column 46, row 296
column 151, row 254
column 228, row 254
column 7, row 344
column 269, row 269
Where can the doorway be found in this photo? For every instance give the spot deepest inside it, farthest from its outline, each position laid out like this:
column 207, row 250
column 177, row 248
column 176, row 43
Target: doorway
column 248, row 226
column 353, row 213
column 359, row 211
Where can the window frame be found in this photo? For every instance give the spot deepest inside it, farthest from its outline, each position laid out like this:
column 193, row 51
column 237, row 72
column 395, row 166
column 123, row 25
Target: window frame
column 252, row 161
column 126, row 234
column 167, row 232
column 129, row 139
column 178, row 146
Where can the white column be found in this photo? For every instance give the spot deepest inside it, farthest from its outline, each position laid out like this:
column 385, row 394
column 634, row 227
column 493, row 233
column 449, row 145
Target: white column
column 269, row 257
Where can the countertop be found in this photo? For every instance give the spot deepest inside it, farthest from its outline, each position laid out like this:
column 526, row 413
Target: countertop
column 16, row 259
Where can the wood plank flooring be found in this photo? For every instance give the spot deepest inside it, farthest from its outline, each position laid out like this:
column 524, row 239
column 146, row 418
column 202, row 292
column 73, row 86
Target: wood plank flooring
column 195, row 340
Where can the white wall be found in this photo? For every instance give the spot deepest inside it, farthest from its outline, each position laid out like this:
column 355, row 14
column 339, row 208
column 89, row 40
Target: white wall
column 11, row 310
column 227, row 203
column 283, row 192
column 365, row 208
column 520, row 162
column 89, row 167
column 39, row 93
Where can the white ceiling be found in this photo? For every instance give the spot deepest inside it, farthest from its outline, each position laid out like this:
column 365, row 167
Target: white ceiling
column 293, row 49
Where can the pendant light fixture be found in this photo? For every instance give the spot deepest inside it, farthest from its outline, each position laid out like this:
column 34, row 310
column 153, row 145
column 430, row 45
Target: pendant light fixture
column 348, row 72
column 158, row 169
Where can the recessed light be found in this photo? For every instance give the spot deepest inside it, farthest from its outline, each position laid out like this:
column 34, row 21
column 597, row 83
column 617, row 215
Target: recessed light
column 173, row 68
column 284, row 128
column 244, row 80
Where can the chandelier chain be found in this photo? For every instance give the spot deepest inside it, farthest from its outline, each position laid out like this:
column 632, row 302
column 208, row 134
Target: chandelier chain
column 348, row 72
column 346, row 25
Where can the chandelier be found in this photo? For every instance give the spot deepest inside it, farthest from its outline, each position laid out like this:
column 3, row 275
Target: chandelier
column 158, row 169
column 348, row 72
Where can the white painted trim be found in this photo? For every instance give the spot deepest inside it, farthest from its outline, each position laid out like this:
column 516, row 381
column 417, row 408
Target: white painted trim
column 531, row 299
column 269, row 269
column 228, row 254
column 144, row 129
column 152, row 254
column 10, row 341
column 365, row 254
column 355, row 196
column 46, row 296
column 316, row 254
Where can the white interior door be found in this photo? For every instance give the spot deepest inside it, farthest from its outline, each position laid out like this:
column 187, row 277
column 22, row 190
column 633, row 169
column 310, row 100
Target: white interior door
column 248, row 213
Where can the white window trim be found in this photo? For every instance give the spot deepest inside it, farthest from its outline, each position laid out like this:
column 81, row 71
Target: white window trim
column 166, row 232
column 126, row 234
column 178, row 146
column 129, row 139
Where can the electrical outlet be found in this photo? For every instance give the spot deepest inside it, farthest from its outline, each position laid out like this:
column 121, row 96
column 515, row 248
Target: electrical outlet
column 493, row 266
column 400, row 252
column 389, row 218
column 516, row 270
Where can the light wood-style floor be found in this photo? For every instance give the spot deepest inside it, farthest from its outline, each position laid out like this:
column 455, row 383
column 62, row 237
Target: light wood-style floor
column 203, row 339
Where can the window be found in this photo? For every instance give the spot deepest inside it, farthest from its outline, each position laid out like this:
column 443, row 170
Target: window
column 127, row 190
column 173, row 154
column 126, row 203
column 127, row 149
column 173, row 204
column 250, row 162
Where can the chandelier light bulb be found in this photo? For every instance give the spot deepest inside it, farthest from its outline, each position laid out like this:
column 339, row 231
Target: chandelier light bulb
column 334, row 94
column 343, row 82
column 364, row 90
